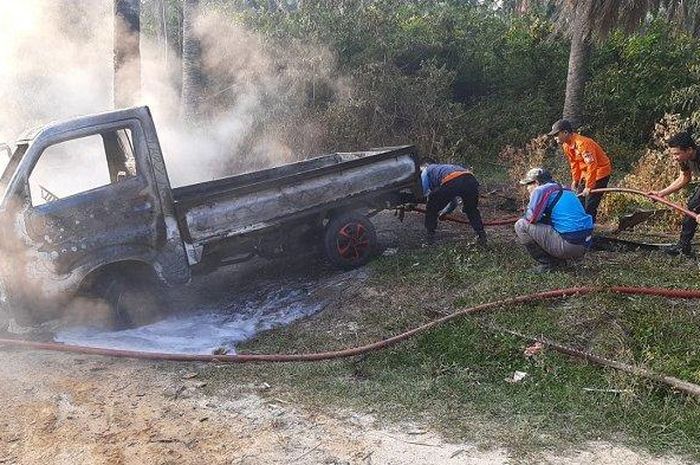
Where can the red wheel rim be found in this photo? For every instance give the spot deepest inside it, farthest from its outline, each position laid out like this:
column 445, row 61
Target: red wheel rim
column 352, row 242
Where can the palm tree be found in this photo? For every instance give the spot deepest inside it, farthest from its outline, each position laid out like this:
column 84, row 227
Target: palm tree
column 586, row 19
column 127, row 56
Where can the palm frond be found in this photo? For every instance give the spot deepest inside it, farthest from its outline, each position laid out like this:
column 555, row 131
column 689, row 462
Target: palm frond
column 600, row 17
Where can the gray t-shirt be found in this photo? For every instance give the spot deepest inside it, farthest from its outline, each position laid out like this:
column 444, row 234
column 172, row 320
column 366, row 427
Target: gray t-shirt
column 691, row 165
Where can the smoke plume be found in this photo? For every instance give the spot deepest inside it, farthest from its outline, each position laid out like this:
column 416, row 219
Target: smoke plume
column 56, row 61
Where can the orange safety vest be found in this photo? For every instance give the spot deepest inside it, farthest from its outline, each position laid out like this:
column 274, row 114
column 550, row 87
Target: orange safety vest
column 587, row 160
column 453, row 175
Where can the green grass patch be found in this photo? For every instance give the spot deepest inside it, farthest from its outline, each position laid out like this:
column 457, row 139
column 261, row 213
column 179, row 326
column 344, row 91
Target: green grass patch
column 453, row 377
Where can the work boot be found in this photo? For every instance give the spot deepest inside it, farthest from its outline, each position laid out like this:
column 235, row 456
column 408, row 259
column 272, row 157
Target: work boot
column 683, row 247
column 542, row 268
column 545, row 262
column 481, row 239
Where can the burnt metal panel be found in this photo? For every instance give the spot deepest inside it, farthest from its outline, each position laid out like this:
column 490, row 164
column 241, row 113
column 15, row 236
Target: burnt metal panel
column 244, row 211
column 189, row 196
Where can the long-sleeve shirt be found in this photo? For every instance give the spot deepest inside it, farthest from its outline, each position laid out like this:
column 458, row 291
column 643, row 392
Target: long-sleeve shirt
column 587, row 160
column 433, row 176
column 567, row 217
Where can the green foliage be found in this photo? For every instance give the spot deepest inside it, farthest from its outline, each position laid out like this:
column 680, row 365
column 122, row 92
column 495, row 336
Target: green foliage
column 453, row 376
column 634, row 81
column 459, row 80
column 465, row 79
column 389, row 107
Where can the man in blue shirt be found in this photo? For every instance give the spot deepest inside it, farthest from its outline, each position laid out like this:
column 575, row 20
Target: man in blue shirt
column 555, row 226
column 441, row 184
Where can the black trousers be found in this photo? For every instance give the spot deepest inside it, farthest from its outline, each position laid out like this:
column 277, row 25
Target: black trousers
column 591, row 203
column 689, row 224
column 466, row 187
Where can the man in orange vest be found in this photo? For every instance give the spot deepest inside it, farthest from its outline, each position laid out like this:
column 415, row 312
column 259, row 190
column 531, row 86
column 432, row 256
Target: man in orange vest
column 590, row 166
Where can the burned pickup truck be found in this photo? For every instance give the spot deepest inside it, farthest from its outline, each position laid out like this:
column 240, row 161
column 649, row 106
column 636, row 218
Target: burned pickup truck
column 87, row 210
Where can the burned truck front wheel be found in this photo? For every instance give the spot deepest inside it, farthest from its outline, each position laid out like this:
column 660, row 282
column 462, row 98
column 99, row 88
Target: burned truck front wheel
column 350, row 240
column 133, row 297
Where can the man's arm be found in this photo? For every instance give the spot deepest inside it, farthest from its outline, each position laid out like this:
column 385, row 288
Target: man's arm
column 425, row 181
column 592, row 163
column 537, row 206
column 574, row 167
column 681, row 181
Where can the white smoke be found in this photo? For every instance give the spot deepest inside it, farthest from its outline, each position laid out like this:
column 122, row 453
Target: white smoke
column 56, row 62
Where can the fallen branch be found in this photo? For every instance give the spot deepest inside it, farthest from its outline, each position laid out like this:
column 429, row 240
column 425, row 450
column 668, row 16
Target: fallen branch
column 641, row 372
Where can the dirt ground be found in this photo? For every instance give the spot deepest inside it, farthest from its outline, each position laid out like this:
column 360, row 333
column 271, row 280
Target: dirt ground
column 63, row 409
column 71, row 410
column 68, row 409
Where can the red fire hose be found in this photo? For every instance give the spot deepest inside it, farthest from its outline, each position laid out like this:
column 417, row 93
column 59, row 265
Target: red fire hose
column 683, row 386
column 456, row 219
column 655, row 198
column 624, row 190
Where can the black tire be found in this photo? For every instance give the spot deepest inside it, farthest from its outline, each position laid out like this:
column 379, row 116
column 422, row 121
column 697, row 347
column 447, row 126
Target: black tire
column 350, row 240
column 134, row 299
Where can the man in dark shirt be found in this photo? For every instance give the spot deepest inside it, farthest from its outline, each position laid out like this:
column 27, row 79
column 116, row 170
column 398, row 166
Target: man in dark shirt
column 441, row 184
column 683, row 149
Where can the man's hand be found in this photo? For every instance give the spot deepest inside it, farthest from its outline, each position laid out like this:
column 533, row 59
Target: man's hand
column 586, row 192
column 660, row 194
column 574, row 186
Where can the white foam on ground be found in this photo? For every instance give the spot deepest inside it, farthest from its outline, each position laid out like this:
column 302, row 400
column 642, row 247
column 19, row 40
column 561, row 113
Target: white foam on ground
column 203, row 331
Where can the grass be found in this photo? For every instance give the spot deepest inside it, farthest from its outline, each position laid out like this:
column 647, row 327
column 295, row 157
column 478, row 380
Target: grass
column 452, row 378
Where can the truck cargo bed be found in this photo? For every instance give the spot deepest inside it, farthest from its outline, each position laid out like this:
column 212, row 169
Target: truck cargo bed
column 254, row 201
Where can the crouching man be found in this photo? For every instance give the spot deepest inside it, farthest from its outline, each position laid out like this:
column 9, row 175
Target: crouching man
column 555, row 227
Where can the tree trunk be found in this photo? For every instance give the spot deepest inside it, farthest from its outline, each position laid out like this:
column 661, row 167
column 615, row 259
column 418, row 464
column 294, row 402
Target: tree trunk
column 577, row 74
column 160, row 20
column 192, row 77
column 127, row 55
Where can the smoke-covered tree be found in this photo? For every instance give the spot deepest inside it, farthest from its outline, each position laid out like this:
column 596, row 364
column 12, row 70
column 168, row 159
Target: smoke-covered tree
column 192, row 76
column 127, row 58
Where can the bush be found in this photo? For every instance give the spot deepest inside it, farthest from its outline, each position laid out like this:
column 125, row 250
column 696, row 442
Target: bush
column 387, row 107
column 539, row 152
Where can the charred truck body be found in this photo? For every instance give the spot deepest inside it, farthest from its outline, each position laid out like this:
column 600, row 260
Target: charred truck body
column 87, row 210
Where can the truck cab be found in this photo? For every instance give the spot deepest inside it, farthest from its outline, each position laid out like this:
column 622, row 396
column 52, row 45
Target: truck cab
column 80, row 195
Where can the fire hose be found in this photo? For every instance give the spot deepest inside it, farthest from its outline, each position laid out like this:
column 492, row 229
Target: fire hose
column 680, row 385
column 623, row 190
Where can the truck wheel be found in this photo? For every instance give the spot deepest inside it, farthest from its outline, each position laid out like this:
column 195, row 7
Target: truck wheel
column 133, row 300
column 350, row 240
